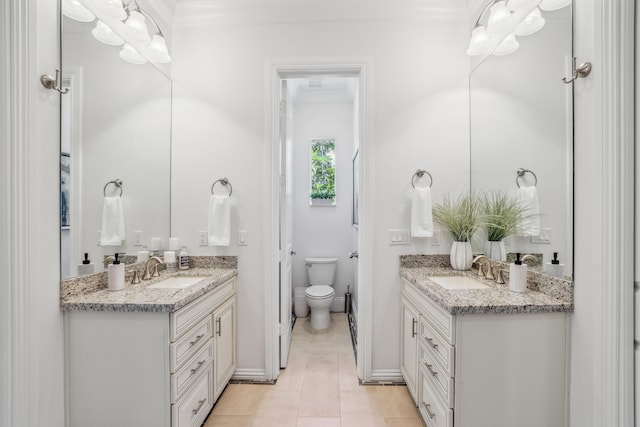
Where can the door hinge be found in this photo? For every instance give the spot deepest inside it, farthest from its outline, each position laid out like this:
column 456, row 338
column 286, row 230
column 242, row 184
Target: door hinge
column 283, row 107
column 281, row 329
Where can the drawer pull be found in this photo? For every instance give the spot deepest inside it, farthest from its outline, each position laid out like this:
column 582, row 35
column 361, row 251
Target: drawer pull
column 200, row 363
column 218, row 327
column 431, row 371
column 198, row 338
column 413, row 328
column 427, row 408
column 430, row 341
column 200, row 403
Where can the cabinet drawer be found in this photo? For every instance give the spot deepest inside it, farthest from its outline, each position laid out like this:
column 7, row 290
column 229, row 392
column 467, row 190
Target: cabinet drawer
column 186, row 375
column 443, row 383
column 442, row 351
column 192, row 409
column 183, row 319
column 191, row 342
column 432, row 409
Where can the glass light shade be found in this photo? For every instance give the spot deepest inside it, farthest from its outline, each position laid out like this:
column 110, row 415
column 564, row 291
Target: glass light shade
column 131, row 55
column 550, row 5
column 113, row 8
column 531, row 24
column 480, row 42
column 500, row 18
column 521, row 4
column 136, row 28
column 74, row 10
column 508, row 45
column 106, row 35
column 158, row 50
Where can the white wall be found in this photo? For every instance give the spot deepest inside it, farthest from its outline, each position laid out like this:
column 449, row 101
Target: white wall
column 419, row 100
column 320, row 231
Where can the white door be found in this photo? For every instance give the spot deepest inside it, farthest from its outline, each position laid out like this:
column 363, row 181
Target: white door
column 286, row 227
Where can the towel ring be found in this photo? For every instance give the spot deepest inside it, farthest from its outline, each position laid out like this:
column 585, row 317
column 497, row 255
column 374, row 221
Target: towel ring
column 420, row 173
column 223, row 181
column 520, row 173
column 116, row 182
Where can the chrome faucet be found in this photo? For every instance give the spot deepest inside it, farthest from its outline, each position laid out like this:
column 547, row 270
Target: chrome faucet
column 488, row 272
column 147, row 273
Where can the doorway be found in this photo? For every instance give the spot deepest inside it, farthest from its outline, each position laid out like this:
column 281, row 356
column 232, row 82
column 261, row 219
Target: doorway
column 301, row 93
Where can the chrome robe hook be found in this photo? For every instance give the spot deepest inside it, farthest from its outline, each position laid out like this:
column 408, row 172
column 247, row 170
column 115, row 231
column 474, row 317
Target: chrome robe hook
column 580, row 72
column 51, row 83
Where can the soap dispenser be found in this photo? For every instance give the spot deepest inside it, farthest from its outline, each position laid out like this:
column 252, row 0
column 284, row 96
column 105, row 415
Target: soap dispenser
column 518, row 275
column 115, row 273
column 554, row 268
column 86, row 267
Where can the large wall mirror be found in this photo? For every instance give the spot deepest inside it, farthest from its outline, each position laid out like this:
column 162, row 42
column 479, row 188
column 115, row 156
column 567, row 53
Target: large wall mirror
column 116, row 125
column 521, row 117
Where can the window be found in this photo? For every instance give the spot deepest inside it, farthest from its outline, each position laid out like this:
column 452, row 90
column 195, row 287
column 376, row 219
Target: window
column 323, row 172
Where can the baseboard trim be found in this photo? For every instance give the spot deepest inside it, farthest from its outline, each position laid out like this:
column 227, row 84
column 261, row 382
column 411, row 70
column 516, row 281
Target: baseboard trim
column 337, row 305
column 250, row 375
column 385, row 376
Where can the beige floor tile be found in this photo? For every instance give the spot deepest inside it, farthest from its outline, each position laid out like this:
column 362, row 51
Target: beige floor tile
column 278, row 403
column 319, row 388
column 405, row 422
column 318, row 422
column 228, row 420
column 396, row 402
column 240, row 399
column 362, row 402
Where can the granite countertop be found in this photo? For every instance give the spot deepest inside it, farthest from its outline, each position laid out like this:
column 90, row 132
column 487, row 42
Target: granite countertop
column 140, row 297
column 545, row 294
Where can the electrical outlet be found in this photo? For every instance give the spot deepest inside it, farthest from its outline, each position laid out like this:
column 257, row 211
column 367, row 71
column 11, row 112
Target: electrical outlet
column 203, row 238
column 137, row 238
column 544, row 238
column 435, row 239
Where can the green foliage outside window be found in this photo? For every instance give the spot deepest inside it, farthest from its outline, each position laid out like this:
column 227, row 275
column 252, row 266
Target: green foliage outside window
column 323, row 169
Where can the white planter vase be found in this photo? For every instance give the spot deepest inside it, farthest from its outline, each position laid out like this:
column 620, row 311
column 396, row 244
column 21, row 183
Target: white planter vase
column 461, row 255
column 495, row 250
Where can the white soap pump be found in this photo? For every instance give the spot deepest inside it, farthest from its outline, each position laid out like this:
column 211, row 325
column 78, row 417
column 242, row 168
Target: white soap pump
column 115, row 273
column 518, row 275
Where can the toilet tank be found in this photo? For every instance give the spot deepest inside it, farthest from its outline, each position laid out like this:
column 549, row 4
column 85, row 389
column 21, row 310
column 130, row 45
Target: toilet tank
column 321, row 271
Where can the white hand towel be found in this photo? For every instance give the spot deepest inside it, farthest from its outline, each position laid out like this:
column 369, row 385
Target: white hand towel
column 219, row 220
column 528, row 198
column 112, row 232
column 421, row 217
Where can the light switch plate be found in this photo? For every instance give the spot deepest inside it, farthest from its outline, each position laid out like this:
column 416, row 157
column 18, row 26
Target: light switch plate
column 399, row 237
column 137, row 238
column 243, row 238
column 544, row 238
column 203, row 238
column 435, row 239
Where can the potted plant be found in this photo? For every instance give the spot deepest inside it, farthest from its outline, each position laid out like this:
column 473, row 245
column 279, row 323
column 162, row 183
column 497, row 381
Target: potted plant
column 460, row 218
column 502, row 215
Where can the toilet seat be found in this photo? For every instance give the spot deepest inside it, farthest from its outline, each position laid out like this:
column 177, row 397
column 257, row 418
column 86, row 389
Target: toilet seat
column 319, row 292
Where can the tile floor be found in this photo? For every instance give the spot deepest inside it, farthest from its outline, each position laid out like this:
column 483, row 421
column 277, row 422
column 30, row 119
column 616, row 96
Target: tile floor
column 319, row 388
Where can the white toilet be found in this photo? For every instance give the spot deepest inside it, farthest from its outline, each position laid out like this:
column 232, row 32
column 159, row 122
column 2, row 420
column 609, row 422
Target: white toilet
column 319, row 295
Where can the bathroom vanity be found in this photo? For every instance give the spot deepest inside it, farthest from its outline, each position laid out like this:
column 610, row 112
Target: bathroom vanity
column 151, row 356
column 485, row 357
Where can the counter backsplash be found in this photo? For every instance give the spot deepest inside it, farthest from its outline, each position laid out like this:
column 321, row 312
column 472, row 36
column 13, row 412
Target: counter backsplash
column 92, row 282
column 536, row 281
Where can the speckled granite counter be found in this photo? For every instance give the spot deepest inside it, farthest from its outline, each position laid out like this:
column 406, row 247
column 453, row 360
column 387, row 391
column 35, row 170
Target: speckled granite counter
column 544, row 294
column 89, row 293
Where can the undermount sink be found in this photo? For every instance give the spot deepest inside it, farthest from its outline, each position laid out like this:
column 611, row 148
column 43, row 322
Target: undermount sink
column 458, row 282
column 176, row 282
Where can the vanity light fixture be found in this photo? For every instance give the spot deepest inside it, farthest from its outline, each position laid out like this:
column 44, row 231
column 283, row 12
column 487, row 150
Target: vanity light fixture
column 103, row 33
column 504, row 16
column 140, row 34
column 74, row 10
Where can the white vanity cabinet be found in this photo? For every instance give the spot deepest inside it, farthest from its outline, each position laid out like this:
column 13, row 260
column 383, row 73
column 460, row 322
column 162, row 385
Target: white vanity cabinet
column 146, row 368
column 485, row 369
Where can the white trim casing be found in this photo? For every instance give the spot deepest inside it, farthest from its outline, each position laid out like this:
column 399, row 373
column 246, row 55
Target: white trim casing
column 15, row 376
column 274, row 70
column 257, row 375
column 617, row 211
